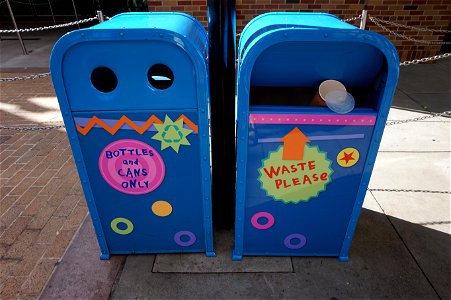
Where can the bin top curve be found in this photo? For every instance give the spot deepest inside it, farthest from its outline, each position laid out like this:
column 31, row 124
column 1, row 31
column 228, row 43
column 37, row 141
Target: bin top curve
column 314, row 27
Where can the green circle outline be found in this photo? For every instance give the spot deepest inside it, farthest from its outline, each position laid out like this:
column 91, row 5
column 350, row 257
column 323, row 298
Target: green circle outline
column 127, row 222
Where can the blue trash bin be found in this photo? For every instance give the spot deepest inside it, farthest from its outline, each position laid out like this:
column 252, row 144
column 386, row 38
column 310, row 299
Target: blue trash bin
column 134, row 96
column 303, row 170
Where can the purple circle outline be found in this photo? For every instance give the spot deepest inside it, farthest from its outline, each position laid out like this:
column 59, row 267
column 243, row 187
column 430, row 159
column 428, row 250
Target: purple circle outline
column 299, row 236
column 191, row 241
column 263, row 214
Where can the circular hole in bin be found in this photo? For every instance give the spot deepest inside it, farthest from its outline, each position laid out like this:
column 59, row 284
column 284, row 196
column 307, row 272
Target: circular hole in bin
column 160, row 76
column 104, row 79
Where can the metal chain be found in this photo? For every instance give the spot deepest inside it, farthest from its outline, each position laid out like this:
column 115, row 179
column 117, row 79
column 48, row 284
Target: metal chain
column 443, row 114
column 409, row 191
column 49, row 27
column 353, row 19
column 407, row 37
column 17, row 78
column 31, row 128
column 425, row 59
column 35, row 128
column 410, row 27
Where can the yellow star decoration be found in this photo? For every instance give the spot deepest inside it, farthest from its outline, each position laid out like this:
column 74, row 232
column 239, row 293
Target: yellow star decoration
column 172, row 134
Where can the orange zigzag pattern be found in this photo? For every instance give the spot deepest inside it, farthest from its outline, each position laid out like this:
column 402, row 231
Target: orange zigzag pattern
column 124, row 120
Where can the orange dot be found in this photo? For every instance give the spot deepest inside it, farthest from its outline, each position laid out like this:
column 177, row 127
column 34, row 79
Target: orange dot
column 162, row 208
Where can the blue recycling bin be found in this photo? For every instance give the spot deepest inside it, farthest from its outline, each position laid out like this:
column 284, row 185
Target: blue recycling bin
column 134, row 96
column 303, row 170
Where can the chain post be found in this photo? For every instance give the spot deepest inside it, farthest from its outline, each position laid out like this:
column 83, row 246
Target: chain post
column 24, row 50
column 100, row 16
column 363, row 19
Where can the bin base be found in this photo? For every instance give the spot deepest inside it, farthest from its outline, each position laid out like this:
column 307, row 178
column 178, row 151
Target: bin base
column 236, row 257
column 104, row 256
column 210, row 254
column 343, row 258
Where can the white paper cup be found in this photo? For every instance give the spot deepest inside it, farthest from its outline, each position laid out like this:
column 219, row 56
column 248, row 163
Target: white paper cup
column 340, row 101
column 324, row 88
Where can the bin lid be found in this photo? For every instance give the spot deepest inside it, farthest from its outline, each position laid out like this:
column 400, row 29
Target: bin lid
column 121, row 64
column 282, row 20
column 304, row 49
column 175, row 22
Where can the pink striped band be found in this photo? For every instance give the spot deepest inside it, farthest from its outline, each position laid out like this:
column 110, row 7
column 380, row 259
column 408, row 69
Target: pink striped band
column 310, row 119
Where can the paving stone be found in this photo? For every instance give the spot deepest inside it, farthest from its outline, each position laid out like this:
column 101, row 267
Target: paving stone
column 51, row 230
column 8, row 217
column 6, row 202
column 38, row 169
column 59, row 161
column 23, row 242
column 67, row 168
column 74, row 220
column 62, row 240
column 17, row 178
column 23, row 186
column 14, row 230
column 4, row 190
column 21, row 151
column 10, row 171
column 6, row 267
column 9, row 288
column 17, row 136
column 31, row 165
column 67, row 206
column 45, row 177
column 4, row 154
column 27, row 157
column 30, row 259
column 3, row 249
column 37, row 279
column 51, row 187
column 42, row 217
column 35, row 206
column 28, row 196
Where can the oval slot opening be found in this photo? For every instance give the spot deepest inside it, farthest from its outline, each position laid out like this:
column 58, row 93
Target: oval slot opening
column 160, row 76
column 104, row 79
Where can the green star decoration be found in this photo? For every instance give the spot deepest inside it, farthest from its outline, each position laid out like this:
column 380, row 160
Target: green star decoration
column 172, row 134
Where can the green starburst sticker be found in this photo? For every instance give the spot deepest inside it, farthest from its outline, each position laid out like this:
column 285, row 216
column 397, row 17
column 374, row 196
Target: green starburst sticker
column 294, row 181
column 172, row 134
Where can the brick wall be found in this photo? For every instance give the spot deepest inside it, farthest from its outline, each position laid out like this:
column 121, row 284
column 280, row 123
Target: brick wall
column 434, row 14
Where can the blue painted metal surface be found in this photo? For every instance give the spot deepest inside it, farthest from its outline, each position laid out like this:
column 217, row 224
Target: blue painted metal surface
column 140, row 138
column 306, row 205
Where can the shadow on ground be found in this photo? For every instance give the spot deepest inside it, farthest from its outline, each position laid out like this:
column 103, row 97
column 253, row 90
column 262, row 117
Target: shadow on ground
column 381, row 266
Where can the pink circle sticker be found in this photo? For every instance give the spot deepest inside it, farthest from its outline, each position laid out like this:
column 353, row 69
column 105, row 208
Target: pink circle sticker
column 262, row 215
column 131, row 167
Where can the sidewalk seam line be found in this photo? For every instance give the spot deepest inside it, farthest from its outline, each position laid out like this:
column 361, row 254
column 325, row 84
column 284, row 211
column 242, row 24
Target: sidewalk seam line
column 408, row 250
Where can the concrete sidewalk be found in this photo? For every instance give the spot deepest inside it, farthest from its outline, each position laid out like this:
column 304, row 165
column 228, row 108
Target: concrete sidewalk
column 400, row 250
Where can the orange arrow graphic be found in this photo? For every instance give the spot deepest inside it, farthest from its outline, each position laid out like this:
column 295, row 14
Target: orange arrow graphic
column 293, row 145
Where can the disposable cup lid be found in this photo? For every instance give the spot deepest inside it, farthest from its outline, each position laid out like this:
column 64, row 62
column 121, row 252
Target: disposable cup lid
column 340, row 101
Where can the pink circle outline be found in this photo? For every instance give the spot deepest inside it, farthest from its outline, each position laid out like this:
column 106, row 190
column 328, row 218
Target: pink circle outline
column 269, row 217
column 156, row 161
